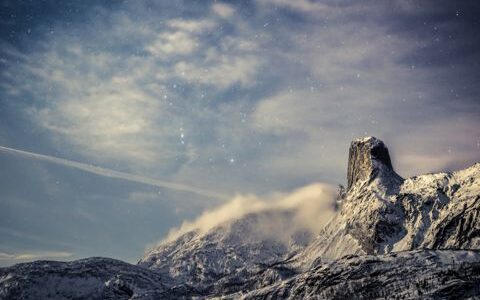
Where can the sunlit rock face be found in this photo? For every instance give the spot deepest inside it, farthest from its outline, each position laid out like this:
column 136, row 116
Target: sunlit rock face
column 369, row 159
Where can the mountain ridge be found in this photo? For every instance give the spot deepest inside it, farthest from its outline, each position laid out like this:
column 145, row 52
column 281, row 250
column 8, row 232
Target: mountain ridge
column 427, row 224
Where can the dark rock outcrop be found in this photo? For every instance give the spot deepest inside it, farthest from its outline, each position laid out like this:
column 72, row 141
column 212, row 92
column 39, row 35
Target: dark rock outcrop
column 368, row 159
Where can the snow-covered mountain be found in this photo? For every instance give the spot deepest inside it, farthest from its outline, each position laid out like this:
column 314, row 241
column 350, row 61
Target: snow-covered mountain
column 381, row 212
column 227, row 254
column 412, row 238
column 91, row 278
column 265, row 234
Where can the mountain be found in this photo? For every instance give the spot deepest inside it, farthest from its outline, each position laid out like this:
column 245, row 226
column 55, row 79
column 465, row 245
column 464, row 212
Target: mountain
column 91, row 278
column 382, row 212
column 226, row 254
column 417, row 237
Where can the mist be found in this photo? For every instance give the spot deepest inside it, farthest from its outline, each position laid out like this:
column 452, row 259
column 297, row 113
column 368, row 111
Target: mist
column 307, row 209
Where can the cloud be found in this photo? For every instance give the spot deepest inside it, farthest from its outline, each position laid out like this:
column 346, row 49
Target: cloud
column 223, row 10
column 116, row 174
column 311, row 206
column 300, row 5
column 285, row 99
column 115, row 120
column 127, row 103
column 359, row 78
column 192, row 26
column 178, row 43
column 182, row 39
column 224, row 71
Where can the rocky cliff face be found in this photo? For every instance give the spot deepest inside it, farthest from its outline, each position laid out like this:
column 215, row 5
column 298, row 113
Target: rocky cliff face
column 369, row 159
column 415, row 237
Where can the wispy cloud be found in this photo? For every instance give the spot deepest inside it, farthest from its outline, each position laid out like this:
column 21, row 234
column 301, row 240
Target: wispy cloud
column 131, row 106
column 305, row 6
column 116, row 174
column 222, row 9
column 360, row 78
column 311, row 206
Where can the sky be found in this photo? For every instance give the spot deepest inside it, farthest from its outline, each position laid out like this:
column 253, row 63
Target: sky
column 120, row 120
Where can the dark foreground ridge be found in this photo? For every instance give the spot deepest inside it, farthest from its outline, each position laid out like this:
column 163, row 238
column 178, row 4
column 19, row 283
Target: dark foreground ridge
column 441, row 274
column 399, row 238
column 90, row 278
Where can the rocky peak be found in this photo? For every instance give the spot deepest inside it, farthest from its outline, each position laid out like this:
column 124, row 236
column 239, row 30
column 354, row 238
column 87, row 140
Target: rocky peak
column 368, row 159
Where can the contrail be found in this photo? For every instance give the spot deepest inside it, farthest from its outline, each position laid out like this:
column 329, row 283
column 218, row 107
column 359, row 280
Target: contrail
column 116, row 174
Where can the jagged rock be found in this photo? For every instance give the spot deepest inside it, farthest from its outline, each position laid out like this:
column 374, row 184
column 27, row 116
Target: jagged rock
column 368, row 159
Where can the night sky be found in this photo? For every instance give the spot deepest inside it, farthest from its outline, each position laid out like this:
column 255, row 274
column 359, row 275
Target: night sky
column 215, row 98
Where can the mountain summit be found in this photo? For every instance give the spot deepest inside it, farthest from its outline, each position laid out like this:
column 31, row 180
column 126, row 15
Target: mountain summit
column 368, row 159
